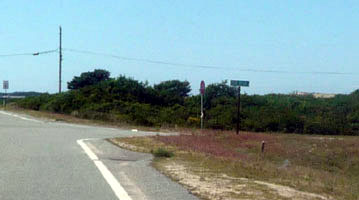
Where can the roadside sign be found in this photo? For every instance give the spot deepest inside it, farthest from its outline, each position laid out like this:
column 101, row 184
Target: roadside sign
column 203, row 86
column 6, row 85
column 238, row 83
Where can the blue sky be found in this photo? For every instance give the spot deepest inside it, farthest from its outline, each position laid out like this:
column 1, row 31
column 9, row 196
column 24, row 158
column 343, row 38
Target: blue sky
column 290, row 36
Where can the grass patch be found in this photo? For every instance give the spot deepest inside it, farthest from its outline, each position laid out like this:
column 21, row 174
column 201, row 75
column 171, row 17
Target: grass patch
column 324, row 165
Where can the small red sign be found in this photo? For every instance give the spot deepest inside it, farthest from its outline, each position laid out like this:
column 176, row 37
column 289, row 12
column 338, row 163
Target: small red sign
column 202, row 87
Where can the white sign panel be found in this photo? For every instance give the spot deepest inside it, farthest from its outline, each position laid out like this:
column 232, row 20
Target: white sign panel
column 6, row 85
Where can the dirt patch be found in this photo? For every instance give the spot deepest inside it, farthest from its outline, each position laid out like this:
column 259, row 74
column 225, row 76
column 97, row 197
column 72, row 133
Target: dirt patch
column 291, row 193
column 128, row 146
column 221, row 186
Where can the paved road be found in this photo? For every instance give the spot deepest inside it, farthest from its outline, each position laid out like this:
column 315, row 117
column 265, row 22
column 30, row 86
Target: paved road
column 42, row 160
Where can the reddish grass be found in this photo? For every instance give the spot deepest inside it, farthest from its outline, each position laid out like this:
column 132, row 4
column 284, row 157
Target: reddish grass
column 220, row 144
column 315, row 152
column 320, row 164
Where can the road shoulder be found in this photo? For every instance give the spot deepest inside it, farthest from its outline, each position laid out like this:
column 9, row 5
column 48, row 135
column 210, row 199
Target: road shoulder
column 135, row 173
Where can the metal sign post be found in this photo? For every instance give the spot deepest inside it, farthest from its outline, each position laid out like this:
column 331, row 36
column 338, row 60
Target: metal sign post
column 5, row 87
column 202, row 90
column 238, row 109
column 238, row 84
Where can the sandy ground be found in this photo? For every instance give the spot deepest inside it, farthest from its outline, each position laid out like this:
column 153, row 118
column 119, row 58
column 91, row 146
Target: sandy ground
column 214, row 186
column 209, row 185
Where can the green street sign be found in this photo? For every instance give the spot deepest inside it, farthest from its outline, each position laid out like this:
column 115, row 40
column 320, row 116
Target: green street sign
column 238, row 83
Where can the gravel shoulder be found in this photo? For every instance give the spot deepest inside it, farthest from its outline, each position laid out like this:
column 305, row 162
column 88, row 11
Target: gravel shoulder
column 137, row 176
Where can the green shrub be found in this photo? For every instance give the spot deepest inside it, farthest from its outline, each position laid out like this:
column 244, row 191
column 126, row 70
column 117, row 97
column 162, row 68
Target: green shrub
column 194, row 121
column 163, row 153
column 127, row 100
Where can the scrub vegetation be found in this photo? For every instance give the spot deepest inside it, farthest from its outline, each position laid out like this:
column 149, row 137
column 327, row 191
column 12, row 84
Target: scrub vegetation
column 323, row 167
column 95, row 95
column 162, row 152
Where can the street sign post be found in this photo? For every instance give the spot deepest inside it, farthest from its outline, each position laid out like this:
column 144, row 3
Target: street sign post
column 238, row 84
column 5, row 87
column 202, row 90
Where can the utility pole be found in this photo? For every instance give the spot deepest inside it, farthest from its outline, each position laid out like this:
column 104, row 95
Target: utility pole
column 60, row 60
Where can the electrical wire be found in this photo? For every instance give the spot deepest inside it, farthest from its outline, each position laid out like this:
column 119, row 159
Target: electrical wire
column 140, row 59
column 177, row 64
column 29, row 54
column 203, row 66
column 16, row 54
column 47, row 52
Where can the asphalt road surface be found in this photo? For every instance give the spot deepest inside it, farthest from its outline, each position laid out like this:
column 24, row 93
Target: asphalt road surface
column 51, row 160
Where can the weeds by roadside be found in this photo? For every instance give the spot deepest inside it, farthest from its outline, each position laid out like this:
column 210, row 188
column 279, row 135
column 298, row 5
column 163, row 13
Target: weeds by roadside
column 323, row 165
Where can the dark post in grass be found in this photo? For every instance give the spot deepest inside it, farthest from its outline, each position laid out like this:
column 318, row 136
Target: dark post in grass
column 263, row 145
column 238, row 84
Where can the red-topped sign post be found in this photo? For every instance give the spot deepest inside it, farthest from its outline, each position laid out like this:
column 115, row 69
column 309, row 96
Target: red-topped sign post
column 202, row 90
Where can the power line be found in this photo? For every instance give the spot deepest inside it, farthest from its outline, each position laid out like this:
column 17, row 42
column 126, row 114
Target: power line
column 141, row 60
column 178, row 64
column 47, row 52
column 28, row 54
column 16, row 54
column 203, row 66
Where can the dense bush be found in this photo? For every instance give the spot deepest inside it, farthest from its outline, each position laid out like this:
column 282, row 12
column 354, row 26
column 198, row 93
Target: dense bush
column 162, row 153
column 88, row 78
column 168, row 103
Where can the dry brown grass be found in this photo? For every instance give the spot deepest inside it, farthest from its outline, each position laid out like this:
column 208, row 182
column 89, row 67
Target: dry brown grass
column 317, row 164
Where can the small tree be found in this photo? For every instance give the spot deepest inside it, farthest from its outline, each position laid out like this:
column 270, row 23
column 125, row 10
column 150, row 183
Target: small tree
column 173, row 91
column 218, row 90
column 88, row 78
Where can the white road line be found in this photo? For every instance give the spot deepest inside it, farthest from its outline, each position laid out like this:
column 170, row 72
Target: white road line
column 18, row 116
column 72, row 125
column 111, row 180
column 83, row 126
column 58, row 123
